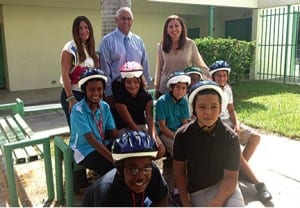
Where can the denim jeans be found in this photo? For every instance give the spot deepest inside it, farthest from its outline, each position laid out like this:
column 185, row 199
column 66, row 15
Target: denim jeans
column 63, row 96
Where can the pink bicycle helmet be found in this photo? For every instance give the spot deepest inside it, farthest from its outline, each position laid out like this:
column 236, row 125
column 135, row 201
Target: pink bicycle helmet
column 131, row 69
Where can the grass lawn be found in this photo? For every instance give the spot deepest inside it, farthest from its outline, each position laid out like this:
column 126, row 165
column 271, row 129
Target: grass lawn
column 268, row 106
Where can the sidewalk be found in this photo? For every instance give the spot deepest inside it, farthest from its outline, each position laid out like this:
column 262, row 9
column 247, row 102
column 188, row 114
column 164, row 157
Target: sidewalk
column 275, row 162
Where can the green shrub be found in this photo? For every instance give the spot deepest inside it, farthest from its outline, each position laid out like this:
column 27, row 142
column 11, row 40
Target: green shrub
column 239, row 54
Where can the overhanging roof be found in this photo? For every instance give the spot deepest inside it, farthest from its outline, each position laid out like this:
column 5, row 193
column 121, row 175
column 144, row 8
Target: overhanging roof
column 231, row 3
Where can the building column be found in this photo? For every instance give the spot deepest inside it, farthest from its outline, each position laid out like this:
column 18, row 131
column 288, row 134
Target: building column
column 211, row 21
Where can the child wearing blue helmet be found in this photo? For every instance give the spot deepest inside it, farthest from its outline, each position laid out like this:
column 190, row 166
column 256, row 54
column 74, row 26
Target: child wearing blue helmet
column 219, row 72
column 136, row 181
column 91, row 120
column 206, row 153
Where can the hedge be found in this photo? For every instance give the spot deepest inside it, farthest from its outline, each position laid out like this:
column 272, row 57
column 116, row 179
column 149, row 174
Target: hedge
column 239, row 54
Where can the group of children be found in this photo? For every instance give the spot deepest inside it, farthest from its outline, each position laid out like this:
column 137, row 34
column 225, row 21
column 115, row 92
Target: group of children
column 195, row 123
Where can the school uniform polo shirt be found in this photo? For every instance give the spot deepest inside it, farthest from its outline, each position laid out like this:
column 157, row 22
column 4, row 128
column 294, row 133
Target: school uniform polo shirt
column 207, row 154
column 83, row 121
column 136, row 106
column 172, row 112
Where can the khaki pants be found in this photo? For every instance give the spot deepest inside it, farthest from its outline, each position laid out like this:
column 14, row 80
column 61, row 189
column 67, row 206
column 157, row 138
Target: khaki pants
column 168, row 142
column 202, row 197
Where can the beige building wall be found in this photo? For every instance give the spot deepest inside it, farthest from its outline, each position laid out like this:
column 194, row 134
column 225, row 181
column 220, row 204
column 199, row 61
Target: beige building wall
column 34, row 39
column 34, row 35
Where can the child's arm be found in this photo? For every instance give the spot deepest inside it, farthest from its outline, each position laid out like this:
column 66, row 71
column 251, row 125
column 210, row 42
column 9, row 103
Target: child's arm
column 165, row 130
column 233, row 117
column 227, row 187
column 179, row 173
column 125, row 116
column 101, row 148
column 152, row 129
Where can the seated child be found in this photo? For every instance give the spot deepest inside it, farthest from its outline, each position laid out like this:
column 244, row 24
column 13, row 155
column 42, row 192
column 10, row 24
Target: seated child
column 195, row 73
column 90, row 120
column 219, row 71
column 172, row 109
column 134, row 105
column 207, row 154
column 136, row 181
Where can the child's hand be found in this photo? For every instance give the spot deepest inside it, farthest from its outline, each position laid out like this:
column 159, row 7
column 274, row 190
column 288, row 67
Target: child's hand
column 237, row 128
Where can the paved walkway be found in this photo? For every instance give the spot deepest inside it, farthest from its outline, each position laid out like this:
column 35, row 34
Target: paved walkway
column 275, row 162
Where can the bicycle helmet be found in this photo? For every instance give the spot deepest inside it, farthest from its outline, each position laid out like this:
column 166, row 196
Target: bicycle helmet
column 177, row 77
column 204, row 85
column 91, row 73
column 194, row 70
column 219, row 66
column 131, row 69
column 133, row 144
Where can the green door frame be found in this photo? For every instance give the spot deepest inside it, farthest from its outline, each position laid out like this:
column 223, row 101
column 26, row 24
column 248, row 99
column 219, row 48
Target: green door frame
column 2, row 71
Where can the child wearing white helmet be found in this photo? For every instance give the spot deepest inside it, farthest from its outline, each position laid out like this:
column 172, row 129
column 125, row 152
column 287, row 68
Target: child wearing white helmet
column 90, row 120
column 134, row 105
column 172, row 108
column 195, row 73
column 219, row 72
column 136, row 181
column 172, row 111
column 206, row 154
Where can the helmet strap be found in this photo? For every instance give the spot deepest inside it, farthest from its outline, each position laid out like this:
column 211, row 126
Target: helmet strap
column 208, row 128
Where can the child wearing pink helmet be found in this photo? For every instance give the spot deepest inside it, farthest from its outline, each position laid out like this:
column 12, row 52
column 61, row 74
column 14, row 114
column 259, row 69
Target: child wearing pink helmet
column 134, row 105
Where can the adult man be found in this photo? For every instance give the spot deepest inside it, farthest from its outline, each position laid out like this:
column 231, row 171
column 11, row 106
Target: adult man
column 119, row 47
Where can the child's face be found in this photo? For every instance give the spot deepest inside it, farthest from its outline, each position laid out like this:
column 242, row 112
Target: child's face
column 194, row 78
column 94, row 91
column 137, row 173
column 179, row 90
column 132, row 85
column 207, row 109
column 221, row 77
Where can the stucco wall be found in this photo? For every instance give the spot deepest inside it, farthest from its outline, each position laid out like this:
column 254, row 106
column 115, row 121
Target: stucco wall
column 35, row 32
column 34, row 39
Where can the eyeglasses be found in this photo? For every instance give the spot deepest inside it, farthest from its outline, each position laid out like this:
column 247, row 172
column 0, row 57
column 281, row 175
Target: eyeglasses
column 126, row 18
column 135, row 171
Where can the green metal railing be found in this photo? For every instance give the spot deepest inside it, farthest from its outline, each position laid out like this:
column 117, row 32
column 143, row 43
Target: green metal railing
column 277, row 45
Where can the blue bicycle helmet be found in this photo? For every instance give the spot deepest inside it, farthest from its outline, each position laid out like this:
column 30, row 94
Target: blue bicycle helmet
column 204, row 85
column 177, row 77
column 91, row 73
column 219, row 66
column 133, row 144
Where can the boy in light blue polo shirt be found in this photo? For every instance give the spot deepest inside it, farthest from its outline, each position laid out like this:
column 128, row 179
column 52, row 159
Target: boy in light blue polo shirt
column 172, row 109
column 90, row 120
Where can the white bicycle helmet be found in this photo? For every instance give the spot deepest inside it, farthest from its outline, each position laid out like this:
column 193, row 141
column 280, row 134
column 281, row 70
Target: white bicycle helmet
column 204, row 85
column 177, row 77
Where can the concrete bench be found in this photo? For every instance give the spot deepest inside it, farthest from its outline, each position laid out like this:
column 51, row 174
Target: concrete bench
column 19, row 145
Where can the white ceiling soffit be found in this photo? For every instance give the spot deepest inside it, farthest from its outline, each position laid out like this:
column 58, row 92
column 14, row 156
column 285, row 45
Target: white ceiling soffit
column 224, row 3
column 276, row 3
